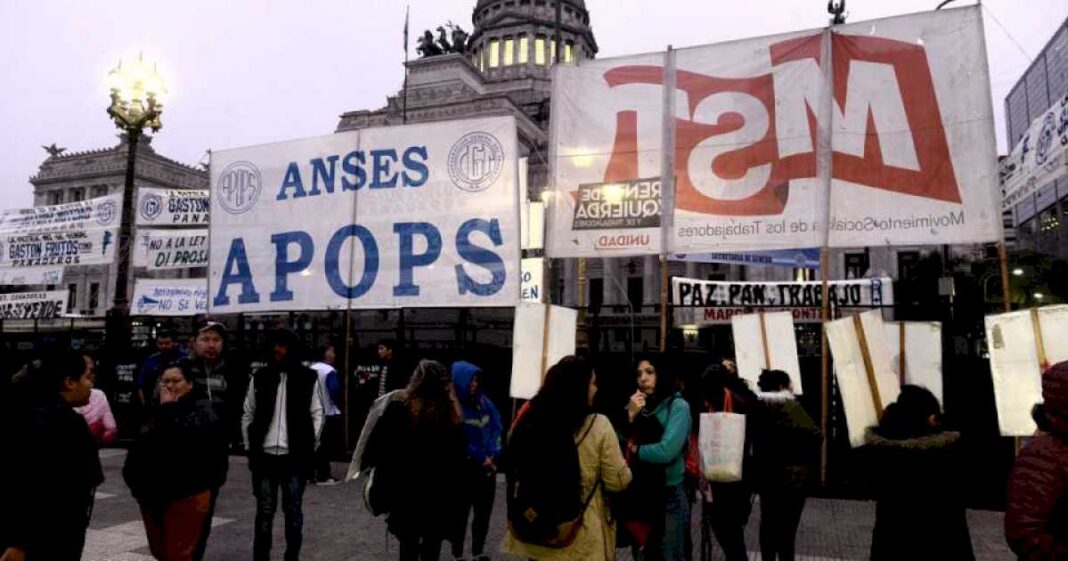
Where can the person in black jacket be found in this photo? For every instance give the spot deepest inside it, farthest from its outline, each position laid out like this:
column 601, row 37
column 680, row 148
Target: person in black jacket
column 53, row 467
column 786, row 446
column 174, row 467
column 916, row 469
column 216, row 376
column 281, row 441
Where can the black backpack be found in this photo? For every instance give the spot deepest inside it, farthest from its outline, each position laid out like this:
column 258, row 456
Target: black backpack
column 545, row 502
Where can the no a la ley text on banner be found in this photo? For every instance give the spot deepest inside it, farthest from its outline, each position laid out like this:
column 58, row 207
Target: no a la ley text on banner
column 33, row 305
column 171, row 248
column 409, row 216
column 172, row 207
column 79, row 233
column 906, row 109
column 700, row 302
column 170, row 297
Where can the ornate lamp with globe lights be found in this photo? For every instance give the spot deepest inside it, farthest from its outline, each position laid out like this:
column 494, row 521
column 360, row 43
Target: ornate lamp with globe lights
column 137, row 91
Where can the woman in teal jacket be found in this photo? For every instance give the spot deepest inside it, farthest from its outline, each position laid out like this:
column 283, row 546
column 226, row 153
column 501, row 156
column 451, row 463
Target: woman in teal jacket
column 657, row 399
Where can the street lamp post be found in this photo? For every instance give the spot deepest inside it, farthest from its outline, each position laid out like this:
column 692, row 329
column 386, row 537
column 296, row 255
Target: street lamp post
column 136, row 92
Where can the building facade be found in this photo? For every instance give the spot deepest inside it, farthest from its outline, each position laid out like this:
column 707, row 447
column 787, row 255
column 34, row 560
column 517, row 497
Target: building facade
column 72, row 177
column 1040, row 219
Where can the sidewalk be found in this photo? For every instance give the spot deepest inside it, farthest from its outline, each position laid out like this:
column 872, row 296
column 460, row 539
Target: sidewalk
column 337, row 527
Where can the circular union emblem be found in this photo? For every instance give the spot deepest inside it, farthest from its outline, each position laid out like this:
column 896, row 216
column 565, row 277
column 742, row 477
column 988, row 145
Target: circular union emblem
column 239, row 187
column 106, row 212
column 475, row 161
column 1045, row 139
column 151, row 206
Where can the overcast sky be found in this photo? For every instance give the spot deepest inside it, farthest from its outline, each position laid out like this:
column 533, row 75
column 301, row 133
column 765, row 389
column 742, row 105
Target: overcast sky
column 255, row 71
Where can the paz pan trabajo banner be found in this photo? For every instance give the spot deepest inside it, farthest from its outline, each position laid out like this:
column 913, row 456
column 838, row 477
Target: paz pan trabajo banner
column 899, row 136
column 409, row 216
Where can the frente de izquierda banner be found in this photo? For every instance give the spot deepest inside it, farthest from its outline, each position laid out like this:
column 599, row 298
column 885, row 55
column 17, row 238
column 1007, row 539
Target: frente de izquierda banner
column 410, row 216
column 890, row 118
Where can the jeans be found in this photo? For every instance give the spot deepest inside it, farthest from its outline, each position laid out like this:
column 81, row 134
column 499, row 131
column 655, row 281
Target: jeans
column 674, row 544
column 780, row 514
column 268, row 474
column 479, row 495
column 328, row 446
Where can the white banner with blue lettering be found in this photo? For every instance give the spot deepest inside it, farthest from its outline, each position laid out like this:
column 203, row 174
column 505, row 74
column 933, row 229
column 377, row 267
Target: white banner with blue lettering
column 409, row 216
column 170, row 297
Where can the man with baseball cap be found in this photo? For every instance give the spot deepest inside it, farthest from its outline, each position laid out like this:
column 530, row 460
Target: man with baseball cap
column 215, row 377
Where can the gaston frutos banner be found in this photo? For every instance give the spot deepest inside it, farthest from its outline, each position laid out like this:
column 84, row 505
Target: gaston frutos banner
column 699, row 302
column 172, row 207
column 412, row 216
column 80, row 233
column 899, row 136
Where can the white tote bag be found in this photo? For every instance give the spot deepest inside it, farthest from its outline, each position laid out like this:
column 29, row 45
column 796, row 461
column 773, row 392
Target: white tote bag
column 721, row 444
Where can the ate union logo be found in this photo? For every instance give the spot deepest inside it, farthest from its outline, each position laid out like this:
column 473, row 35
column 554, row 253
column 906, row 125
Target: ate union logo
column 747, row 138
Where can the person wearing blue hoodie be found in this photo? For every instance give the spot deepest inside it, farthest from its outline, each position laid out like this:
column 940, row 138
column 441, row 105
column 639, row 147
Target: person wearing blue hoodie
column 482, row 427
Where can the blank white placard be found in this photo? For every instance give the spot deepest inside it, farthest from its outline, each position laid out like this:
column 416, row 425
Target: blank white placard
column 528, row 330
column 782, row 346
column 879, row 350
column 1014, row 368
column 923, row 354
column 852, row 379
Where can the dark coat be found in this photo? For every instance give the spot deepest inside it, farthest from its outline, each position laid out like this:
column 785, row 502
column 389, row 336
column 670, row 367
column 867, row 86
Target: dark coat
column 224, row 386
column 181, row 451
column 48, row 498
column 920, row 513
column 1036, row 517
column 420, row 468
column 786, row 444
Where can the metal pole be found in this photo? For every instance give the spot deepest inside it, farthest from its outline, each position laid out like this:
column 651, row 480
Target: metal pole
column 345, row 377
column 664, row 298
column 121, row 302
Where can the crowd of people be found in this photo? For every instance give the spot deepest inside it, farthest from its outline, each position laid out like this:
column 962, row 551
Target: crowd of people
column 583, row 478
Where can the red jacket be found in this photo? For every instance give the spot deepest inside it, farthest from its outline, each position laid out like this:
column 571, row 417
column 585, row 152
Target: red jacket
column 1036, row 518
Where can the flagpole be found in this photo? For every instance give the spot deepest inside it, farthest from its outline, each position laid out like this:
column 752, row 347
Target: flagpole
column 404, row 94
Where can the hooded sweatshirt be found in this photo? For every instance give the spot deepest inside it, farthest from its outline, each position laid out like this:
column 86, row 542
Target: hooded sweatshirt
column 482, row 422
column 1036, row 517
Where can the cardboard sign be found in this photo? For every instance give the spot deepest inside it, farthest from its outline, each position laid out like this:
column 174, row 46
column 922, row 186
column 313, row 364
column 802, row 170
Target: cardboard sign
column 766, row 341
column 1022, row 345
column 916, row 353
column 863, row 369
column 542, row 335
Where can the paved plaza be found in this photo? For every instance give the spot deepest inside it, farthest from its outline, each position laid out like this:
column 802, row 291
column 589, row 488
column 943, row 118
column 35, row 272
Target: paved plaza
column 338, row 528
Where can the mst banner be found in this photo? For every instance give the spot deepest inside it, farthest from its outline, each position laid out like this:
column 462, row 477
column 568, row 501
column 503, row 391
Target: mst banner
column 172, row 207
column 699, row 302
column 33, row 305
column 421, row 215
column 171, row 249
column 170, row 297
column 900, row 138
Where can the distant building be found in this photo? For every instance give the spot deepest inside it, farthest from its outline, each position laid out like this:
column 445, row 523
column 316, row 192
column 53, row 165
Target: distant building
column 1039, row 220
column 71, row 177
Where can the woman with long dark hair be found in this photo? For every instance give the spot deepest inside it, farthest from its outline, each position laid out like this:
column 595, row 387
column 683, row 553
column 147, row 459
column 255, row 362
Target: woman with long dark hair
column 418, row 450
column 561, row 452
column 659, row 429
column 916, row 467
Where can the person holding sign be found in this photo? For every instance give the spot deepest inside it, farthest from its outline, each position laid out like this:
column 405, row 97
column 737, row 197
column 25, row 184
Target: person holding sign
column 916, row 470
column 1036, row 517
column 656, row 403
column 786, row 452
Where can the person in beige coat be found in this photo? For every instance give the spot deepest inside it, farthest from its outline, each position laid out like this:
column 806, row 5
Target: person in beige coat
column 568, row 391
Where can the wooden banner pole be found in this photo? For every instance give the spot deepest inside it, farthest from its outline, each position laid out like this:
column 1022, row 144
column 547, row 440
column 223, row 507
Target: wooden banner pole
column 1003, row 259
column 869, row 367
column 903, row 360
column 664, row 293
column 825, row 364
column 764, row 341
column 1040, row 343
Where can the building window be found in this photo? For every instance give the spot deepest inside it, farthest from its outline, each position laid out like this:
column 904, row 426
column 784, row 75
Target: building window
column 482, row 60
column 72, row 297
column 539, row 50
column 907, row 262
column 77, row 195
column 596, row 294
column 635, row 292
column 804, row 275
column 856, row 265
column 55, row 197
column 94, row 296
column 569, row 55
column 509, row 51
column 99, row 191
column 524, row 48
column 495, row 53
column 552, row 51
